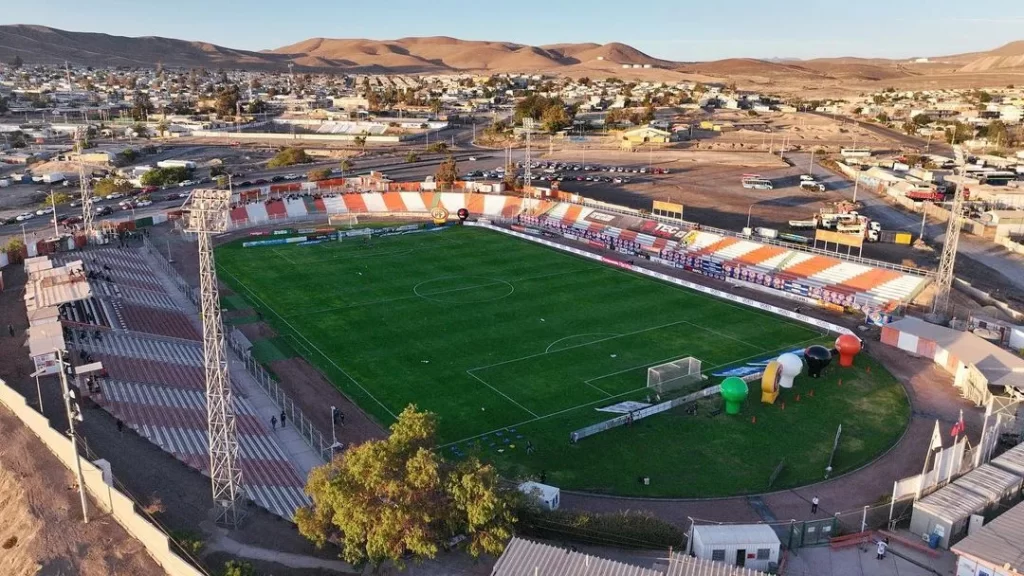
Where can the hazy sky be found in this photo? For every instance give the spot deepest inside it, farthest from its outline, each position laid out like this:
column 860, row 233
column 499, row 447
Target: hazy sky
column 671, row 29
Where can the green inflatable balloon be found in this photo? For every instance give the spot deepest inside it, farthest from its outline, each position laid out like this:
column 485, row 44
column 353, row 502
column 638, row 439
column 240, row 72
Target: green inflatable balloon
column 734, row 392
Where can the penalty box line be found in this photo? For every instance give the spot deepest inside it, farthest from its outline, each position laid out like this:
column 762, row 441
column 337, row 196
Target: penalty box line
column 594, row 402
column 313, row 346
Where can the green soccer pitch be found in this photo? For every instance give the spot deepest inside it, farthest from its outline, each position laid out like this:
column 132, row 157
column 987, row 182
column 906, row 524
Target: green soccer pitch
column 510, row 343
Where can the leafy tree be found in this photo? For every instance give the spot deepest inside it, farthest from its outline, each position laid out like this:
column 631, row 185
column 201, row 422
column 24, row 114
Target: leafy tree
column 191, row 542
column 386, row 498
column 510, row 179
column 922, row 120
column 882, row 118
column 217, row 171
column 257, row 106
column 435, row 106
column 289, row 157
column 166, row 176
column 555, row 118
column 958, row 132
column 227, row 100
column 997, row 132
column 162, row 127
column 438, row 147
column 140, row 129
column 17, row 62
column 55, row 197
column 982, row 96
column 318, row 174
column 346, row 165
column 412, row 157
column 878, row 99
column 360, row 141
column 141, row 106
column 111, row 185
column 238, row 568
column 447, row 173
column 910, row 128
column 648, row 114
column 126, row 156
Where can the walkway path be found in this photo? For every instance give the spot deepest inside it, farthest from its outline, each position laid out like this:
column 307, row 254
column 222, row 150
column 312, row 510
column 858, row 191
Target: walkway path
column 219, row 541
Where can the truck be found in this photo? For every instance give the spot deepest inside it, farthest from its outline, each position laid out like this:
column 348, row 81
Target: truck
column 187, row 164
column 53, row 178
column 812, row 186
column 925, row 194
column 804, row 224
column 767, row 232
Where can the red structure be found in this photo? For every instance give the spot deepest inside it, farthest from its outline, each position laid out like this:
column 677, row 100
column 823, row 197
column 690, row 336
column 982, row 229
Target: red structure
column 848, row 346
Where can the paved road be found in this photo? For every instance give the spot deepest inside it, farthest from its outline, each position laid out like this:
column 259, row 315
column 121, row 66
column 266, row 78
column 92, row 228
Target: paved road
column 934, row 146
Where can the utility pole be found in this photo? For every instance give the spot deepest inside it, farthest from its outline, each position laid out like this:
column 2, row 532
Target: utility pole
column 74, row 412
column 53, row 204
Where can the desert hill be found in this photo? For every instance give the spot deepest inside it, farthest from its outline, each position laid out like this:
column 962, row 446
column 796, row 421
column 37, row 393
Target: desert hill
column 1007, row 56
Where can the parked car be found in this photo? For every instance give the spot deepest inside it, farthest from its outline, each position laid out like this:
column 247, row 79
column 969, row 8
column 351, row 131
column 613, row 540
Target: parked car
column 261, row 182
column 143, row 203
column 104, row 210
column 277, row 178
column 115, row 196
column 184, row 183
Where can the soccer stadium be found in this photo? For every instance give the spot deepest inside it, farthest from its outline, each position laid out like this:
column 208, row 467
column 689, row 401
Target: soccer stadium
column 544, row 349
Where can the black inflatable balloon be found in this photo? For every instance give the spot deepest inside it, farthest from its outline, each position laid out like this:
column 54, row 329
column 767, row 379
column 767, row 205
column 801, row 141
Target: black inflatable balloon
column 462, row 214
column 817, row 358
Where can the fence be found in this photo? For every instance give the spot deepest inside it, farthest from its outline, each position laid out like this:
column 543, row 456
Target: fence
column 642, row 413
column 313, row 437
column 109, row 498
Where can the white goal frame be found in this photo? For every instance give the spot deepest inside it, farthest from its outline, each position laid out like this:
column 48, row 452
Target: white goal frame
column 674, row 375
column 346, row 219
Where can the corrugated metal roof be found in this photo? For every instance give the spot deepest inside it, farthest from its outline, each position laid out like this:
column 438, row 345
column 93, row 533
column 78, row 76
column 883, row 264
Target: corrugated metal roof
column 951, row 503
column 999, row 542
column 1012, row 460
column 682, row 565
column 45, row 339
column 989, row 481
column 54, row 286
column 999, row 366
column 528, row 558
column 724, row 534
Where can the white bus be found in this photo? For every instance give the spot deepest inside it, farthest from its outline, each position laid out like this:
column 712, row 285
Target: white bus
column 757, row 183
column 855, row 152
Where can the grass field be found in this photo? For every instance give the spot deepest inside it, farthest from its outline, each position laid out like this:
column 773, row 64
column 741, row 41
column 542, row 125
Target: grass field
column 510, row 342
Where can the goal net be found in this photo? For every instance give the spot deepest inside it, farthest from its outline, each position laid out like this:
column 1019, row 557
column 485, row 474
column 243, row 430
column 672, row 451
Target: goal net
column 343, row 220
column 674, row 375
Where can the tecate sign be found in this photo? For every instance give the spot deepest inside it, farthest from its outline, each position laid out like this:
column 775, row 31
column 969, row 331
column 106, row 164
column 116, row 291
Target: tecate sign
column 665, row 230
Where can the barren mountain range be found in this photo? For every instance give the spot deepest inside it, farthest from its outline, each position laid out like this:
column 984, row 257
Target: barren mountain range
column 439, row 55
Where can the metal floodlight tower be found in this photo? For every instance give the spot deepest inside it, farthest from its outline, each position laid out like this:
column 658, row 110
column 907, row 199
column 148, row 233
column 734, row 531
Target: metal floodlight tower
column 86, row 192
column 207, row 214
column 528, row 125
column 944, row 276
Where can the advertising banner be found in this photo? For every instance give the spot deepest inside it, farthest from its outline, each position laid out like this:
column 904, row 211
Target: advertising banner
column 830, row 237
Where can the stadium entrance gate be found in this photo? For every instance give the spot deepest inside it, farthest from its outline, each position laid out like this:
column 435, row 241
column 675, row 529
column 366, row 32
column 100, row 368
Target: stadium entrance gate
column 812, row 532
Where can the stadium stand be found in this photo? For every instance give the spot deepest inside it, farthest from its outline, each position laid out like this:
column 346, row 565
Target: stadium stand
column 796, row 271
column 154, row 380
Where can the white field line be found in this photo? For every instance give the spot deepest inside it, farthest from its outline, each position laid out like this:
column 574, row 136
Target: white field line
column 548, row 349
column 313, row 346
column 586, row 404
column 503, row 395
column 283, row 255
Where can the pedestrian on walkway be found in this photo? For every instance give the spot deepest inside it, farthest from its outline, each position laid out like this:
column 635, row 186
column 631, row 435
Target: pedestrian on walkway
column 529, row 447
column 283, row 417
column 120, row 427
column 273, row 422
column 814, row 505
column 10, row 329
column 881, row 549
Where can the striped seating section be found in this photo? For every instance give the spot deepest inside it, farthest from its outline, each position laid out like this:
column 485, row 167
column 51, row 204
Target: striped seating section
column 85, row 312
column 807, row 274
column 398, row 202
column 155, row 381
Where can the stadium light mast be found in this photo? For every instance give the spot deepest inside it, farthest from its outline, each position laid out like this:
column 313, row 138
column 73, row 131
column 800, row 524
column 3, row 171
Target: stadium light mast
column 944, row 276
column 207, row 214
column 528, row 125
column 86, row 192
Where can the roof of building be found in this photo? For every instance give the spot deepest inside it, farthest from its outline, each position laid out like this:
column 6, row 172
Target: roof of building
column 988, row 481
column 648, row 130
column 999, row 542
column 999, row 366
column 45, row 339
column 528, row 558
column 1012, row 460
column 51, row 286
column 726, row 534
column 951, row 503
column 682, row 565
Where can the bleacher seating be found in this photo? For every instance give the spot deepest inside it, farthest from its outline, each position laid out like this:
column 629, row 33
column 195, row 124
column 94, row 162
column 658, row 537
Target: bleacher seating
column 154, row 380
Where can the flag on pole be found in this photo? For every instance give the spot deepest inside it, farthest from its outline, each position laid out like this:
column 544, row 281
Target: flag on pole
column 958, row 428
column 936, row 443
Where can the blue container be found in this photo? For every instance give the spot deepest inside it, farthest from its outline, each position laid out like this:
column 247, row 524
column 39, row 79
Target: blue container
column 933, row 541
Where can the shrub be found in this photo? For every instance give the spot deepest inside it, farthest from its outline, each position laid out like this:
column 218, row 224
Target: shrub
column 623, row 529
column 190, row 543
column 238, row 568
column 318, row 174
column 288, row 157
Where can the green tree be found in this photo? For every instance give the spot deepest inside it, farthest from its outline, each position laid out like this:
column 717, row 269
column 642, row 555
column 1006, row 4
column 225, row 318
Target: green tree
column 238, row 568
column 166, row 176
column 435, row 106
column 162, row 127
column 997, row 133
column 511, row 181
column 227, row 100
column 412, row 157
column 360, row 141
column 318, row 174
column 648, row 115
column 111, row 185
column 922, row 120
column 910, row 128
column 17, row 62
column 555, row 118
column 14, row 246
column 878, row 99
column 386, row 498
column 141, row 106
column 959, row 132
column 55, row 197
column 289, row 157
column 346, row 166
column 982, row 96
column 447, row 173
column 438, row 148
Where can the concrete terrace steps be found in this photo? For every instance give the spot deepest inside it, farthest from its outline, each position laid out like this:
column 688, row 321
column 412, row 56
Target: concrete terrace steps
column 129, row 346
column 170, row 323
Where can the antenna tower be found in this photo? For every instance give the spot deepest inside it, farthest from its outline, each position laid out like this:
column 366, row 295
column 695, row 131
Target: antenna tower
column 207, row 214
column 944, row 277
column 528, row 125
column 86, row 193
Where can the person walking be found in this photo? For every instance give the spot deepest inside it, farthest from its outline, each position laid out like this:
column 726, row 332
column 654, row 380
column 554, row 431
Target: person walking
column 273, row 422
column 120, row 427
column 283, row 417
column 881, row 549
column 10, row 329
column 814, row 505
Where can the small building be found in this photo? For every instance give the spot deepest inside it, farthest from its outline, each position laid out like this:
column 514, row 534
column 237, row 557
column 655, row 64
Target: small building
column 995, row 549
column 997, row 485
column 946, row 512
column 1005, row 222
column 548, row 497
column 754, row 546
column 1011, row 461
column 647, row 135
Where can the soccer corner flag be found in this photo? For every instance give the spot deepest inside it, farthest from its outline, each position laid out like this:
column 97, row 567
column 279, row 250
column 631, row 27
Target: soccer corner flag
column 936, row 443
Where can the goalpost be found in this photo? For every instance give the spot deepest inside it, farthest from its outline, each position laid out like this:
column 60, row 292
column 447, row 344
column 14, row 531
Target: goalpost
column 346, row 220
column 674, row 375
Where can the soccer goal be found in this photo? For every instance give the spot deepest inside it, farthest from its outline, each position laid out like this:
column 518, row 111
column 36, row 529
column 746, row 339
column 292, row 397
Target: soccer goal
column 343, row 220
column 674, row 375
